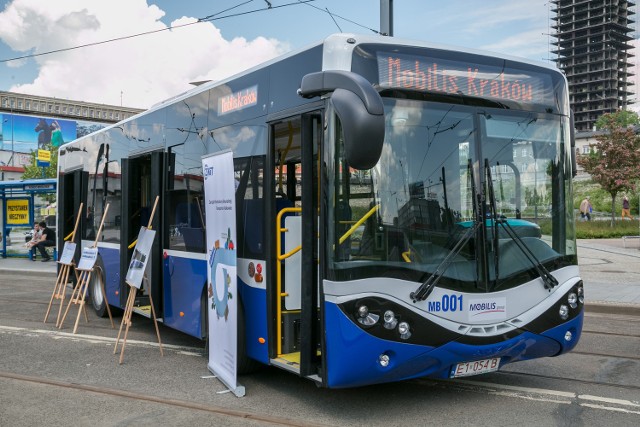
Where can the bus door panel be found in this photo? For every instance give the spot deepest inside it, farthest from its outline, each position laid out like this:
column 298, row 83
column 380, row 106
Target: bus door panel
column 74, row 186
column 296, row 144
column 142, row 181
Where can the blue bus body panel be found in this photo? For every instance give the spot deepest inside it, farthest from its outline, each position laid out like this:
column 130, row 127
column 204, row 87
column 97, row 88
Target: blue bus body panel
column 254, row 301
column 111, row 260
column 184, row 281
column 352, row 354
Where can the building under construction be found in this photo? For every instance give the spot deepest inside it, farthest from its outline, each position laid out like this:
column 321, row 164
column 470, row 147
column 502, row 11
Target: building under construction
column 593, row 49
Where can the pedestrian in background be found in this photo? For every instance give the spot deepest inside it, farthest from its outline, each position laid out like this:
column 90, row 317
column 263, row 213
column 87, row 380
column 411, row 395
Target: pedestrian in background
column 585, row 209
column 48, row 239
column 35, row 239
column 626, row 209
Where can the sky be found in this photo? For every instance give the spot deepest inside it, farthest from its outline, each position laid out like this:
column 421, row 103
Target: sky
column 195, row 40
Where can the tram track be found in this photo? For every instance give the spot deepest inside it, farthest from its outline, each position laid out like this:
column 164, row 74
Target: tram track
column 573, row 380
column 610, row 334
column 218, row 410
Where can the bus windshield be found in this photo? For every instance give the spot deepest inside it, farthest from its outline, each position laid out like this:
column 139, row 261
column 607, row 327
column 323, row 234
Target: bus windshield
column 444, row 169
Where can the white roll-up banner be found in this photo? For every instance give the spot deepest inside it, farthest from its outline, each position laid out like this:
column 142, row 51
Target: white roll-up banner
column 222, row 301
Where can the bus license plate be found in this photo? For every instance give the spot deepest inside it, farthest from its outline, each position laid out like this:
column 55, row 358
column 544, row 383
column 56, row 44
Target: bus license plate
column 477, row 367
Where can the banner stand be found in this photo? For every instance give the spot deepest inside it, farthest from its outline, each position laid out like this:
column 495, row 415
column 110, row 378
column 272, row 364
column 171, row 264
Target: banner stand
column 85, row 267
column 128, row 310
column 222, row 283
column 59, row 290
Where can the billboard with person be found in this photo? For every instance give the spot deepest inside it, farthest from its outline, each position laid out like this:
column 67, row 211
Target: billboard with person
column 24, row 134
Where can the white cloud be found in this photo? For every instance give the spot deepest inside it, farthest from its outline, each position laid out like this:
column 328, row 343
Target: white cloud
column 525, row 44
column 146, row 69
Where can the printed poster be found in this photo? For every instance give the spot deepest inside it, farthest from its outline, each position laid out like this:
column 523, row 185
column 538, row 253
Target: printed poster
column 140, row 256
column 88, row 258
column 67, row 253
column 222, row 301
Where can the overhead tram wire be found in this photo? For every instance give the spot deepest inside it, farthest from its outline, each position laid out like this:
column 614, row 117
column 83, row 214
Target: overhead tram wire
column 209, row 18
column 341, row 17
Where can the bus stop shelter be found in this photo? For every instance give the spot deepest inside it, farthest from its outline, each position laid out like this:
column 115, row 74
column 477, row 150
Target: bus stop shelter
column 18, row 205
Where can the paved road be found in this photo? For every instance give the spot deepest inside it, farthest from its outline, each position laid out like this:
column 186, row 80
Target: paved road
column 611, row 274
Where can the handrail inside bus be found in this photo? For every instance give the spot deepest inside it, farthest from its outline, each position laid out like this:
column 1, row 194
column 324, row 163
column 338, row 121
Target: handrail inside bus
column 279, row 293
column 361, row 221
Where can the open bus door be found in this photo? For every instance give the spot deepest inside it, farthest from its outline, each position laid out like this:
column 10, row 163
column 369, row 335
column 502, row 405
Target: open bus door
column 73, row 187
column 142, row 181
column 294, row 295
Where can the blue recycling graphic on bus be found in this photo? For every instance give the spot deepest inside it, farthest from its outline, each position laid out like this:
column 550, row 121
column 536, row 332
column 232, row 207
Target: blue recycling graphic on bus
column 220, row 279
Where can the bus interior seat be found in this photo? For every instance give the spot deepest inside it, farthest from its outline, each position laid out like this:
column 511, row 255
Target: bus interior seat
column 189, row 224
column 513, row 260
column 253, row 224
column 253, row 219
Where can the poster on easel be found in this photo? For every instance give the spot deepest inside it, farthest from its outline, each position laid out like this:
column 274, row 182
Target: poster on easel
column 140, row 256
column 88, row 258
column 67, row 253
column 222, row 302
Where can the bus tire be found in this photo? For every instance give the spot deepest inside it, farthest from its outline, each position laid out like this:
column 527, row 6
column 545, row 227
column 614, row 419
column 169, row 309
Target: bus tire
column 95, row 292
column 246, row 365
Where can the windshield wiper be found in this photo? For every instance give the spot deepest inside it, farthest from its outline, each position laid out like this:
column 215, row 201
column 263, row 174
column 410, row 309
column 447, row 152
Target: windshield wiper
column 425, row 289
column 549, row 281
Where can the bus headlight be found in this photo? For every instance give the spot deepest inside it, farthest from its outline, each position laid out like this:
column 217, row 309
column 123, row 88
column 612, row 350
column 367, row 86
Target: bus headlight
column 366, row 318
column 383, row 360
column 404, row 330
column 568, row 336
column 564, row 312
column 581, row 295
column 572, row 299
column 363, row 311
column 390, row 320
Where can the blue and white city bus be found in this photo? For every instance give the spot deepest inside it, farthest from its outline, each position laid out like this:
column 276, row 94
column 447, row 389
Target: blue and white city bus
column 403, row 210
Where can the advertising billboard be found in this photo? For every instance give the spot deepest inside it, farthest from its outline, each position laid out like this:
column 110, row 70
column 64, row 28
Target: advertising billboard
column 23, row 134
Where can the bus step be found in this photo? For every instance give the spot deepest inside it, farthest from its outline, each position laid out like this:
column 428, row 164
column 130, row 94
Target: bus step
column 145, row 310
column 290, row 362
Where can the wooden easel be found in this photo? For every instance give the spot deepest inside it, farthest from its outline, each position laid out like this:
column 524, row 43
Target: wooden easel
column 128, row 310
column 80, row 291
column 59, row 290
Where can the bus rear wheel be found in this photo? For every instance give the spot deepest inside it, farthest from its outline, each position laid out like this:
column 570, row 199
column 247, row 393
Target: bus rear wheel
column 96, row 285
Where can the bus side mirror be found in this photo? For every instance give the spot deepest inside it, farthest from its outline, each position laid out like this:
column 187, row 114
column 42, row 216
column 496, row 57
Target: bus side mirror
column 359, row 108
column 572, row 137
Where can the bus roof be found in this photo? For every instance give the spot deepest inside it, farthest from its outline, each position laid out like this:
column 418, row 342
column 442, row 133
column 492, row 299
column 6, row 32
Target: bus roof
column 337, row 54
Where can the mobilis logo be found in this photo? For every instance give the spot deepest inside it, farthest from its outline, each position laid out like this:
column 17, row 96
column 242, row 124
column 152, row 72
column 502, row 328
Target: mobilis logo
column 208, row 171
column 494, row 308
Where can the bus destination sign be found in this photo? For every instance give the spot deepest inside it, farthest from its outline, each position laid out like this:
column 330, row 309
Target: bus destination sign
column 463, row 78
column 237, row 101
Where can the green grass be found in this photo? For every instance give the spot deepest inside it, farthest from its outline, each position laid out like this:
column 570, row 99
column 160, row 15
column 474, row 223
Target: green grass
column 604, row 229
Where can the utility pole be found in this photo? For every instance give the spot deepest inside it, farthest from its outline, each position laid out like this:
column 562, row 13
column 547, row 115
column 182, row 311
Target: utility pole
column 386, row 18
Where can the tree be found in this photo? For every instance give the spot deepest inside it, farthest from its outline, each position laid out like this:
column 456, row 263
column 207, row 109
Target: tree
column 33, row 171
column 614, row 162
column 622, row 118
